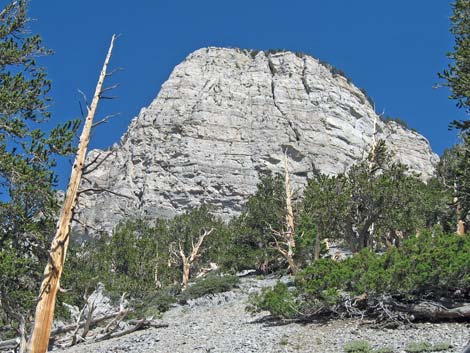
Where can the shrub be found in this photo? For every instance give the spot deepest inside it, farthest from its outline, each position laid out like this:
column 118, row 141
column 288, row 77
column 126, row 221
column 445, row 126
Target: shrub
column 359, row 346
column 369, row 98
column 432, row 266
column 397, row 120
column 251, row 232
column 442, row 346
column 135, row 259
column 211, row 284
column 418, row 347
column 155, row 303
column 279, row 301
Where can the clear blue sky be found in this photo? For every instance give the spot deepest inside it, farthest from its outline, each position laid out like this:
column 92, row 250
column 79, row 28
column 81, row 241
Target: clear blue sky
column 393, row 49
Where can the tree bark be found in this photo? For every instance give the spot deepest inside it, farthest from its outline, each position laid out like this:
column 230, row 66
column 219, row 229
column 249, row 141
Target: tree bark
column 317, row 249
column 50, row 285
column 460, row 229
column 430, row 311
column 188, row 260
column 460, row 221
column 290, row 231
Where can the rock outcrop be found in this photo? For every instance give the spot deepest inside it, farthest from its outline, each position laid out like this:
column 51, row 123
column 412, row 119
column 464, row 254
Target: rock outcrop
column 223, row 117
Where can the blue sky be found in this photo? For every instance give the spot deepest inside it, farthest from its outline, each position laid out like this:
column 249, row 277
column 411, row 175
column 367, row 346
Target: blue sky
column 393, row 49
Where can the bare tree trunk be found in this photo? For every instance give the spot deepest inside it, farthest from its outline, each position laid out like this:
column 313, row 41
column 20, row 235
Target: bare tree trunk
column 286, row 245
column 460, row 221
column 186, row 269
column 187, row 261
column 50, row 285
column 290, row 232
column 317, row 250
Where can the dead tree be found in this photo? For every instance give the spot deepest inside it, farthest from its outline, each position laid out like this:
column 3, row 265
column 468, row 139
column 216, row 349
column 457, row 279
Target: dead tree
column 284, row 241
column 51, row 282
column 460, row 221
column 178, row 256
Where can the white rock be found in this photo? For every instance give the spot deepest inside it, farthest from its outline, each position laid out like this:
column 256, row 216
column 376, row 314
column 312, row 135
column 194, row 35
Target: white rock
column 221, row 119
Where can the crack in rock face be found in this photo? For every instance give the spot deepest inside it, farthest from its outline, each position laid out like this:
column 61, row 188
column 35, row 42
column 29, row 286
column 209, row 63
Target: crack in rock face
column 225, row 116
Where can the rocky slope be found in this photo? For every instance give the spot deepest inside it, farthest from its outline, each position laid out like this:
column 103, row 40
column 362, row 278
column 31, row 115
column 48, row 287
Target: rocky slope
column 226, row 115
column 220, row 324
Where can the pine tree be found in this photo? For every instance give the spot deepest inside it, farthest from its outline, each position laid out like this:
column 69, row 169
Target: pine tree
column 28, row 203
column 457, row 75
column 457, row 78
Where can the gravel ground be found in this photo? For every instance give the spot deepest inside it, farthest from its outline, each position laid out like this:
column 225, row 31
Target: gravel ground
column 220, row 324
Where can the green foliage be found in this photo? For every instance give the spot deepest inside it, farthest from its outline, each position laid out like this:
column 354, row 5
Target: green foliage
column 253, row 53
column 137, row 259
column 252, row 230
column 324, row 203
column 359, row 346
column 284, row 341
column 454, row 176
column 442, row 346
column 399, row 121
column 279, row 301
column 418, row 347
column 334, row 70
column 432, row 266
column 375, row 204
column 457, row 75
column 368, row 97
column 28, row 203
column 210, row 284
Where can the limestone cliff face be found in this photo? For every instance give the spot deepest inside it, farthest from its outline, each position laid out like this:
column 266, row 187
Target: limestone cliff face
column 226, row 115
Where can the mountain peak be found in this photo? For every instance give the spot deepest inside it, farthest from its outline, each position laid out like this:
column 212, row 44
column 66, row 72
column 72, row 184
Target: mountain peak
column 225, row 116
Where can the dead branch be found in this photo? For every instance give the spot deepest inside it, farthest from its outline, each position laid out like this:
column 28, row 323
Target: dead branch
column 115, row 322
column 93, row 322
column 116, row 85
column 101, row 189
column 97, row 165
column 204, row 271
column 178, row 256
column 91, row 309
column 75, row 332
column 285, row 240
column 113, row 71
column 9, row 344
column 85, row 100
column 50, row 284
column 84, row 225
column 434, row 311
column 105, row 119
column 137, row 325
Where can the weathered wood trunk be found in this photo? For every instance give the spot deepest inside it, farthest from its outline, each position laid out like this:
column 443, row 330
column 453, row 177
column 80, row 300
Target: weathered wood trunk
column 290, row 231
column 186, row 270
column 50, row 285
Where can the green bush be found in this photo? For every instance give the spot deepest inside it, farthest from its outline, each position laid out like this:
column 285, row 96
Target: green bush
column 211, row 284
column 360, row 346
column 418, row 347
column 251, row 232
column 157, row 302
column 136, row 259
column 279, row 301
column 422, row 347
column 431, row 266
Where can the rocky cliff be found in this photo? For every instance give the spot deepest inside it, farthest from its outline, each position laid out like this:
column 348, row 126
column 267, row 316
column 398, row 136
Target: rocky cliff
column 223, row 117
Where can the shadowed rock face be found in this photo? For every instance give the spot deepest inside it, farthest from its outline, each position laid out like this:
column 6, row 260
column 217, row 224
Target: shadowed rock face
column 224, row 117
